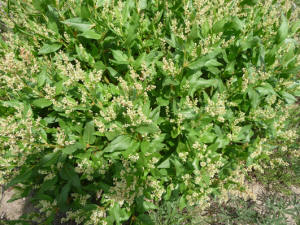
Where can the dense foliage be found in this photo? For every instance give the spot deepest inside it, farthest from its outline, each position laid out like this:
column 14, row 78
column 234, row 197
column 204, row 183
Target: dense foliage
column 107, row 107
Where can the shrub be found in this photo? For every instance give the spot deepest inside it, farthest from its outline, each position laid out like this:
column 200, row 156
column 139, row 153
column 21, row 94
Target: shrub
column 108, row 107
column 280, row 178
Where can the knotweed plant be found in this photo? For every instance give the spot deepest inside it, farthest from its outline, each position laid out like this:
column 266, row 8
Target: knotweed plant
column 109, row 107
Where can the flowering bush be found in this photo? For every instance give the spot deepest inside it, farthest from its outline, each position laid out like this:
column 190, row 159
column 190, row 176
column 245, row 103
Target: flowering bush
column 108, row 107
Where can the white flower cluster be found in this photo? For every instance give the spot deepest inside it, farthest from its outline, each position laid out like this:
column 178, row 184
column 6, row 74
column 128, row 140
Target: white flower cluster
column 157, row 188
column 169, row 67
column 85, row 167
column 125, row 189
column 47, row 207
column 70, row 72
column 97, row 217
column 217, row 108
column 82, row 199
column 183, row 156
column 76, row 215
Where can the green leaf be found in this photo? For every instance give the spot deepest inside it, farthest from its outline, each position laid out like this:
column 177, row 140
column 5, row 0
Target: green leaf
column 283, row 29
column 204, row 83
column 78, row 24
column 48, row 48
column 71, row 148
column 149, row 205
column 147, row 129
column 254, row 97
column 41, row 78
column 145, row 219
column 130, row 34
column 99, row 65
column 112, row 72
column 50, row 159
column 139, row 60
column 84, row 55
column 53, row 16
column 170, row 81
column 48, row 185
column 88, row 133
column 22, row 177
column 118, row 214
column 194, row 32
column 90, row 34
column 58, row 87
column 230, row 67
column 120, row 143
column 197, row 83
column 63, row 196
column 245, row 134
column 197, row 64
column 205, row 177
column 295, row 27
column 207, row 137
column 101, row 2
column 165, row 164
column 205, row 29
column 290, row 99
column 154, row 115
column 212, row 62
column 249, row 42
column 181, row 147
column 42, row 102
column 175, row 132
column 132, row 149
column 142, row 4
column 213, row 70
column 111, row 135
column 178, row 167
column 219, row 26
column 182, row 203
column 67, row 173
column 120, row 57
column 222, row 142
column 237, row 24
column 266, row 89
column 188, row 114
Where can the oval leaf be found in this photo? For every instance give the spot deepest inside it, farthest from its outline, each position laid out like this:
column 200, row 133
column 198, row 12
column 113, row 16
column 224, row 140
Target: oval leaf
column 120, row 143
column 91, row 34
column 42, row 102
column 78, row 24
column 49, row 48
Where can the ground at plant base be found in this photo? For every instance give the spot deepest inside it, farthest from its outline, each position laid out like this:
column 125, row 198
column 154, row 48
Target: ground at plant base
column 14, row 210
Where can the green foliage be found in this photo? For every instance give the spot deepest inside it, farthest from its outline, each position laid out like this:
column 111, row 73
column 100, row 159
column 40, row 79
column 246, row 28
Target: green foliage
column 109, row 107
column 169, row 213
column 272, row 209
column 268, row 209
column 281, row 178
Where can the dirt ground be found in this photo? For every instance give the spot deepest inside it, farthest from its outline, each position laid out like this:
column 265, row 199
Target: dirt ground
column 13, row 210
